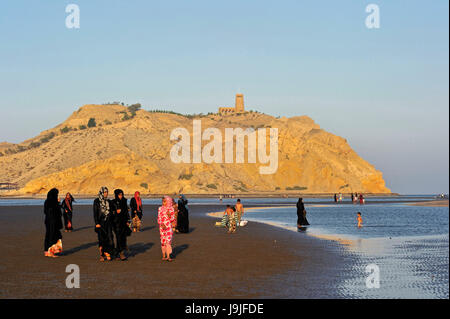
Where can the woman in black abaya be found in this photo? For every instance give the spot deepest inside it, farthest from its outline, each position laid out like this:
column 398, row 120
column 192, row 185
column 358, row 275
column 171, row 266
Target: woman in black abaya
column 301, row 214
column 53, row 224
column 66, row 205
column 183, row 215
column 103, row 224
column 121, row 222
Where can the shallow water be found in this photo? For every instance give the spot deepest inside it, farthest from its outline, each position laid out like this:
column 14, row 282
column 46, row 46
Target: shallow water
column 408, row 244
column 225, row 201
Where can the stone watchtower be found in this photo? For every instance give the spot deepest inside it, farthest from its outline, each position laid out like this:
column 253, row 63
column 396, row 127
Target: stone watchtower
column 239, row 106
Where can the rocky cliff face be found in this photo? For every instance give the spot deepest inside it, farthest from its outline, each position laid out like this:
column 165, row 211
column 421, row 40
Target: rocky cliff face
column 133, row 152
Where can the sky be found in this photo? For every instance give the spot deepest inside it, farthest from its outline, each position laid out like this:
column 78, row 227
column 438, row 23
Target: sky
column 386, row 89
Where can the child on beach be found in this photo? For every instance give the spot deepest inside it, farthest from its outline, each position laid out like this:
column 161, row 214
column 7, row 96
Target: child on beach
column 359, row 219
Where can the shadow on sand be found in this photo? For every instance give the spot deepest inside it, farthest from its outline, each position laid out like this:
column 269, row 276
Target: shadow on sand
column 82, row 228
column 178, row 250
column 138, row 248
column 79, row 248
column 147, row 228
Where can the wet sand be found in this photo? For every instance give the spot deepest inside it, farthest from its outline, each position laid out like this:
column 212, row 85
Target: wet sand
column 259, row 261
column 434, row 203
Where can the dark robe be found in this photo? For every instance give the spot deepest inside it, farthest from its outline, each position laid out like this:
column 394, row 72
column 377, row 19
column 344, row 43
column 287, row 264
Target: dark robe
column 120, row 220
column 134, row 208
column 301, row 214
column 105, row 232
column 183, row 216
column 53, row 222
column 67, row 214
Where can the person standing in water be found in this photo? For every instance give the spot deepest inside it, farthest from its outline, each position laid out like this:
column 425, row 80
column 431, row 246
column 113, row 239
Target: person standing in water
column 66, row 205
column 239, row 211
column 121, row 223
column 136, row 211
column 359, row 219
column 301, row 214
column 165, row 213
column 102, row 208
column 53, row 224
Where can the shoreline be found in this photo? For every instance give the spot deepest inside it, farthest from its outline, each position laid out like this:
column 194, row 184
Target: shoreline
column 246, row 195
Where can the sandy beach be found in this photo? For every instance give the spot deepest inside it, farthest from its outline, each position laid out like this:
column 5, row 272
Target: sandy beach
column 434, row 203
column 259, row 261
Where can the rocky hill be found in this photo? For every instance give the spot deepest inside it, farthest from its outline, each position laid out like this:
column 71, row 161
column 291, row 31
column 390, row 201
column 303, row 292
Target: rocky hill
column 130, row 150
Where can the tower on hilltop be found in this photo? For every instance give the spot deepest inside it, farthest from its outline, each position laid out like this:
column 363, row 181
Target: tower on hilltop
column 238, row 107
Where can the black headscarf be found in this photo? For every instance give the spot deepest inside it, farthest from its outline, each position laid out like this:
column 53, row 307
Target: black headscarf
column 52, row 198
column 116, row 194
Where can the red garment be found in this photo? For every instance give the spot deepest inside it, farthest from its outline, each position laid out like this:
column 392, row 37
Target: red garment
column 138, row 200
column 67, row 200
column 166, row 217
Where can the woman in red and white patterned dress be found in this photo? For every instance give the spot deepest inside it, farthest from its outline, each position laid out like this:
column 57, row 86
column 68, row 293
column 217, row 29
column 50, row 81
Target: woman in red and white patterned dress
column 165, row 219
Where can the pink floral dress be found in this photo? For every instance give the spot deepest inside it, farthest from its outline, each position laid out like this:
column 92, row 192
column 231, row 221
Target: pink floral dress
column 166, row 216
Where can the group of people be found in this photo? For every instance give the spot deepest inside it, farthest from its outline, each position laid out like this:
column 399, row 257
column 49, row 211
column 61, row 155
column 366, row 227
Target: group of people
column 54, row 211
column 112, row 219
column 232, row 217
column 355, row 198
column 113, row 222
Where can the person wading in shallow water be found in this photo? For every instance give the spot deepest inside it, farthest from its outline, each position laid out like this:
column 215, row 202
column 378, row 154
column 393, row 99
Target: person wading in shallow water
column 66, row 205
column 301, row 214
column 53, row 224
column 103, row 224
column 359, row 219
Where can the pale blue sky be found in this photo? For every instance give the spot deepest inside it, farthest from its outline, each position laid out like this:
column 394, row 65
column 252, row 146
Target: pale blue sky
column 384, row 90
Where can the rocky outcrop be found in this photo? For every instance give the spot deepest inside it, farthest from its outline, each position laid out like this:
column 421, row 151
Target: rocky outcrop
column 133, row 152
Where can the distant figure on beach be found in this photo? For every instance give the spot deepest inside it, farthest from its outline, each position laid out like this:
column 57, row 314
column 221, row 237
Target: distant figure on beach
column 239, row 211
column 183, row 214
column 165, row 213
column 220, row 198
column 340, row 197
column 66, row 205
column 335, row 198
column 359, row 219
column 353, row 198
column 53, row 224
column 121, row 223
column 103, row 212
column 136, row 212
column 301, row 214
column 361, row 199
